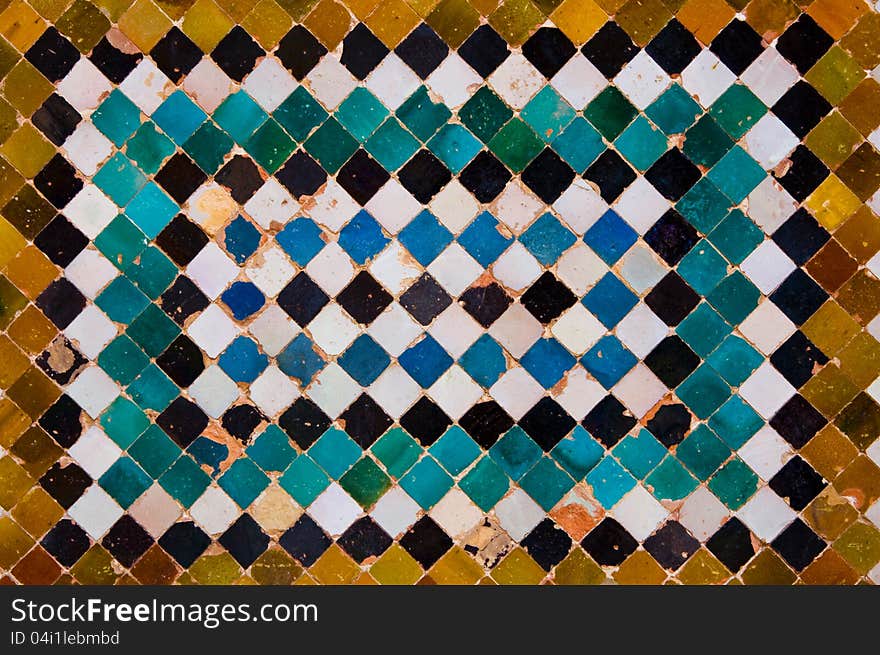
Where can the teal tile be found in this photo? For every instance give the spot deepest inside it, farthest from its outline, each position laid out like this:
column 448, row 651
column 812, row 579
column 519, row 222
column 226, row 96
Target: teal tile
column 208, row 146
column 300, row 114
column 361, row 113
column 641, row 144
column 736, row 174
column 671, row 480
column 122, row 301
column 121, row 242
column 736, row 422
column 331, row 145
column 148, row 148
column 392, row 145
column 426, row 482
column 639, row 453
column 702, row 452
column 178, row 116
column 422, row 116
column 122, row 359
column 706, row 142
column 240, row 116
column 304, row 480
column 117, row 117
column 610, row 482
column 123, row 421
column 736, row 236
column 153, row 331
column 734, row 484
column 335, row 452
column 515, row 452
column 547, row 114
column 704, row 205
column 243, row 481
column 546, row 483
column 271, row 450
column 397, row 451
column 735, row 359
column 151, row 210
column 703, row 267
column 485, row 484
column 125, row 481
column 154, row 451
column 185, row 481
column 270, row 146
column 119, row 179
column 735, row 298
column 674, row 111
column 737, row 110
column 366, row 482
column 578, row 453
column 610, row 112
column 152, row 272
column 455, row 450
column 579, row 144
column 454, row 146
column 703, row 391
column 703, row 329
column 152, row 389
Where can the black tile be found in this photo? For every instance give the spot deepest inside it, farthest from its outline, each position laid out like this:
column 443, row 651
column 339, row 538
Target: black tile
column 672, row 361
column 670, row 424
column 53, row 55
column 185, row 542
column 801, row 237
column 671, row 546
column 304, row 422
column 673, row 174
column 548, row 176
column 672, row 237
column 302, row 175
column 183, row 421
column 365, row 421
column 547, row 544
column 797, row 358
column 548, row 49
column 182, row 240
column 362, row 51
column 58, row 181
column 56, row 119
column 611, row 174
column 175, row 54
column 182, row 361
column 244, row 540
column 672, row 299
column 737, row 45
column 609, row 543
column 423, row 176
column 305, row 541
column 237, row 53
column 732, row 544
column 241, row 421
column 183, row 299
column 362, row 176
column 425, row 299
column 484, row 50
column 803, row 174
column 797, row 483
column 610, row 49
column 61, row 241
column 364, row 539
column 609, row 421
column 425, row 421
column 485, row 303
column 485, row 422
column 241, row 176
column 114, row 62
column 63, row 421
column 422, row 50
column 547, row 423
column 66, row 542
column 61, row 369
column 801, row 108
column 364, row 298
column 485, row 177
column 127, row 541
column 803, row 43
column 299, row 51
column 61, row 302
column 673, row 48
column 426, row 542
column 180, row 177
column 65, row 483
column 798, row 545
column 302, row 299
column 547, row 298
column 799, row 297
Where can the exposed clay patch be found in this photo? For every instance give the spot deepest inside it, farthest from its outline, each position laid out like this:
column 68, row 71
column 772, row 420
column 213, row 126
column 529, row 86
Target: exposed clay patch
column 234, row 447
column 121, row 42
column 578, row 513
column 60, row 356
column 487, row 543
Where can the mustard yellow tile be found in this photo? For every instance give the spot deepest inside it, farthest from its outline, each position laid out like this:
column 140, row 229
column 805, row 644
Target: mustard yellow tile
column 335, row 567
column 206, row 24
column 863, row 41
column 31, row 271
column 517, row 569
column 578, row 568
column 837, row 16
column 15, row 362
column 456, row 567
column 362, row 8
column 703, row 569
column 51, row 10
column 32, row 331
column 769, row 18
column 767, row 568
column 515, row 20
column 15, row 482
column 829, row 569
column 83, row 24
column 832, row 202
column 831, row 328
column 391, row 21
column 297, row 9
column 829, row 390
column 37, row 512
column 21, row 25
column 835, row 75
column 329, row 22
column 579, row 20
column 454, row 21
column 174, row 9
column 275, row 567
column 643, row 19
column 215, row 569
column 705, row 18
column 25, row 89
column 860, row 546
column 144, row 23
column 94, row 567
column 114, row 8
column 640, row 569
column 396, row 567
column 14, row 542
column 238, row 9
column 833, row 140
column 13, row 422
column 860, row 360
column 11, row 242
column 267, row 23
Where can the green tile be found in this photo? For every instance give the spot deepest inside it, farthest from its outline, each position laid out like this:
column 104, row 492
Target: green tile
column 703, row 391
column 485, row 484
column 392, row 145
column 421, row 115
column 546, row 483
column 484, row 114
column 516, row 144
column 270, row 146
column 361, row 113
column 670, row 480
column 674, row 111
column 734, row 484
column 304, row 480
column 153, row 331
column 737, row 110
column 185, row 481
column 547, row 114
column 148, row 148
column 515, row 452
column 610, row 112
column 426, row 482
column 641, row 144
column 300, row 114
column 208, row 146
column 125, row 481
column 397, row 451
column 154, row 451
column 702, row 452
column 365, row 482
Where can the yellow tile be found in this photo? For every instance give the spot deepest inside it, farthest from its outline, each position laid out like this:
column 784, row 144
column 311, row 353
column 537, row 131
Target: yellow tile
column 11, row 242
column 396, row 567
column 275, row 567
column 329, row 22
column 15, row 482
column 15, row 362
column 21, row 25
column 95, row 567
column 767, row 568
column 640, row 569
column 705, row 18
column 31, row 271
column 32, row 331
column 578, row 568
column 25, row 88
column 334, row 567
column 206, row 24
column 703, row 569
column 831, row 328
column 837, row 16
column 27, row 150
column 517, row 569
column 643, row 19
column 144, row 24
column 515, row 20
column 456, row 567
column 13, row 422
column 267, row 23
column 391, row 21
column 579, row 20
column 832, row 202
column 454, row 21
column 860, row 546
column 14, row 542
column 37, row 512
column 215, row 569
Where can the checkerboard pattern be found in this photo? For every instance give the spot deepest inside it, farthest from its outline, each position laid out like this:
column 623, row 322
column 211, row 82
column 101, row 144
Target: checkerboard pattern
column 454, row 292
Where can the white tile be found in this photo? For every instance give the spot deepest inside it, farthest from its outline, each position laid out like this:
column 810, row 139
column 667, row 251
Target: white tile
column 641, row 268
column 273, row 329
column 215, row 511
column 767, row 327
column 766, row 452
column 269, row 84
column 767, row 266
column 330, row 82
column 454, row 269
column 147, row 86
column 639, row 512
column 212, row 270
column 95, row 452
column 270, row 271
column 706, row 78
column 273, row 391
column 86, row 148
column 455, row 330
column 392, row 81
column 334, row 510
column 332, row 207
column 580, row 393
column 580, row 206
column 214, row 391
column 639, row 390
column 642, row 80
column 516, row 329
column 95, row 512
column 155, row 511
column 84, row 87
column 90, row 272
column 454, row 206
column 577, row 329
column 766, row 514
column 393, row 206
column 453, row 81
column 395, row 511
column 394, row 391
column 640, row 330
column 212, row 331
column 93, row 390
column 641, row 205
column 333, row 390
column 394, row 329
column 579, row 81
column 702, row 513
column 455, row 392
column 90, row 211
column 516, row 207
column 770, row 141
column 769, row 205
column 516, row 81
column 580, row 268
column 271, row 204
column 518, row 514
column 766, row 390
column 516, row 391
column 456, row 513
column 770, row 76
column 331, row 269
column 395, row 269
column 91, row 331
column 516, row 268
column 208, row 85
column 332, row 330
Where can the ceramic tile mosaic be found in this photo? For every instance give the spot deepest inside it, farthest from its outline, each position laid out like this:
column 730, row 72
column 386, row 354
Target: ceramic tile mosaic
column 456, row 291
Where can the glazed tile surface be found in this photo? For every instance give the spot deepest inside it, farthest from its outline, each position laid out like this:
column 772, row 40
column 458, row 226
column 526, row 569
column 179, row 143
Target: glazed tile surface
column 439, row 292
